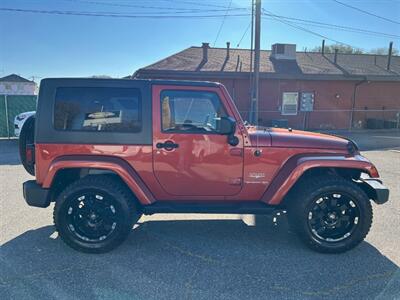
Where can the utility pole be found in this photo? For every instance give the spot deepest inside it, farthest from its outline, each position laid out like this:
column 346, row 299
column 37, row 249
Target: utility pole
column 7, row 121
column 255, row 91
column 251, row 62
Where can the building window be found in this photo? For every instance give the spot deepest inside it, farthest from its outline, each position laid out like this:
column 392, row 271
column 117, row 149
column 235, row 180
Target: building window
column 290, row 103
column 190, row 111
column 98, row 109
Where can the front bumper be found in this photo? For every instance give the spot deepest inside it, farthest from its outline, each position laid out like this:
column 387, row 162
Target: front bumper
column 35, row 195
column 376, row 190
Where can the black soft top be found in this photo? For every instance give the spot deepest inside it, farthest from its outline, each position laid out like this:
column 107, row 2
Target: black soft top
column 46, row 133
column 144, row 81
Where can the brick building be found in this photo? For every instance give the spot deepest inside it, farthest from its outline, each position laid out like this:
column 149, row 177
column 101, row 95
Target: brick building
column 339, row 89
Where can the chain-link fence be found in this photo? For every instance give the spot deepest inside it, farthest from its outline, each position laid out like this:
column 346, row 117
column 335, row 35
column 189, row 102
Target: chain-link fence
column 10, row 107
column 330, row 119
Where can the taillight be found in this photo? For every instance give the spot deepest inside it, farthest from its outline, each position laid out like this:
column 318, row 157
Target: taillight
column 30, row 154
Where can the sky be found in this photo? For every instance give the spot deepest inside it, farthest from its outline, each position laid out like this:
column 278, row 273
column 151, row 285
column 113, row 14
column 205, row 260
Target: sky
column 39, row 45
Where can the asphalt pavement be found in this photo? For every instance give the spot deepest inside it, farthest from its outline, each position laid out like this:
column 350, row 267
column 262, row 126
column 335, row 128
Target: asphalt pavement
column 197, row 256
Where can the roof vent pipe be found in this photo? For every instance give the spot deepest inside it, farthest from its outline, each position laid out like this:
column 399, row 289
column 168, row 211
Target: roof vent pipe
column 323, row 47
column 228, row 45
column 205, row 47
column 237, row 63
column 335, row 57
column 390, row 55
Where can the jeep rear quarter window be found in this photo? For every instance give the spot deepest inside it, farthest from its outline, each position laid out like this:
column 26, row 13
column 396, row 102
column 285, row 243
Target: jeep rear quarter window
column 97, row 109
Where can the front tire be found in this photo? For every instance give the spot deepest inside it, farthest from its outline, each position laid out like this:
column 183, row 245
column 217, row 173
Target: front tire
column 331, row 214
column 95, row 214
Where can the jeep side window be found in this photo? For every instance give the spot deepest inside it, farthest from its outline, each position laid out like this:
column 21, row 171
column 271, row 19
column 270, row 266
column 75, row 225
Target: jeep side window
column 98, row 109
column 191, row 111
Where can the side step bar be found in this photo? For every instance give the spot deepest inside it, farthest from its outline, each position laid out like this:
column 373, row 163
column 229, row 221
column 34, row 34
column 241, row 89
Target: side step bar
column 254, row 207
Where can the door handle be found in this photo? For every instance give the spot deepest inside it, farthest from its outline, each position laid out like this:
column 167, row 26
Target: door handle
column 168, row 145
column 236, row 152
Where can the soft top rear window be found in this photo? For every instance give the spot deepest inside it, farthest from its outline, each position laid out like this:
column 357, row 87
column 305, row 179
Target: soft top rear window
column 106, row 109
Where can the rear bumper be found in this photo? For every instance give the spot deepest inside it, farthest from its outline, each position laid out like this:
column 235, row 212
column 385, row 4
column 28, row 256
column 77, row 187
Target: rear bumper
column 376, row 190
column 35, row 195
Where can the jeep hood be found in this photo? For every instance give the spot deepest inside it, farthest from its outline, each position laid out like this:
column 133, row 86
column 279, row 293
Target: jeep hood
column 285, row 138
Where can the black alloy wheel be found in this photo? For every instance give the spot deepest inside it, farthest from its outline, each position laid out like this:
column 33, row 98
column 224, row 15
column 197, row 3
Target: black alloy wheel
column 333, row 217
column 96, row 213
column 329, row 213
column 92, row 216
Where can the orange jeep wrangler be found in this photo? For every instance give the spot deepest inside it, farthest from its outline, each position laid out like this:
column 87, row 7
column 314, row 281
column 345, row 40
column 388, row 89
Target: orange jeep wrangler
column 107, row 151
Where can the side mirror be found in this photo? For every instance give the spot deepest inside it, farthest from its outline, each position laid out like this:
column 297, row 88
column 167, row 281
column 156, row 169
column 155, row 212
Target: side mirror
column 227, row 126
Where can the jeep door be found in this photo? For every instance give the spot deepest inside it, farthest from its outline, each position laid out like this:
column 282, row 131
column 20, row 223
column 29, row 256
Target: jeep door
column 190, row 156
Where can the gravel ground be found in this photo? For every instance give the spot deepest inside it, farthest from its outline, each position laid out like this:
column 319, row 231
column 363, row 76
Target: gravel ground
column 196, row 256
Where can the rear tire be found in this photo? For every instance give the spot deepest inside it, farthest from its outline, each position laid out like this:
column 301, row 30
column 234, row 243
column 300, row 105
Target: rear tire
column 330, row 215
column 27, row 137
column 95, row 214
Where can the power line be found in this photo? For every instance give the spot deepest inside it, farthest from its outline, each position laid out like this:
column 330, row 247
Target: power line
column 306, row 30
column 244, row 34
column 116, row 15
column 333, row 26
column 241, row 39
column 366, row 12
column 196, row 3
column 152, row 15
column 222, row 24
column 183, row 10
column 391, row 36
